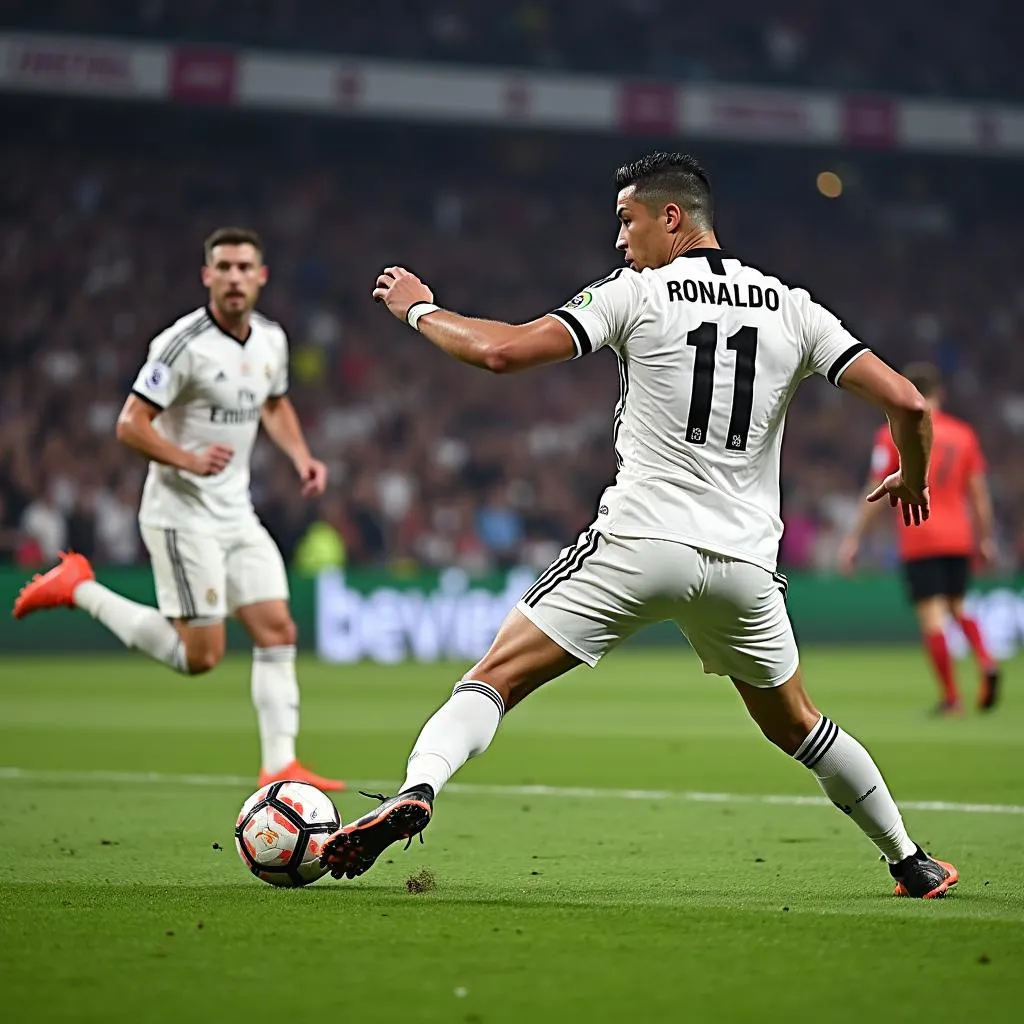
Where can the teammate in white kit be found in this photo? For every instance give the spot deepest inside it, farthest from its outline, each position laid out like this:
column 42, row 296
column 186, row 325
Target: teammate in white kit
column 710, row 353
column 210, row 380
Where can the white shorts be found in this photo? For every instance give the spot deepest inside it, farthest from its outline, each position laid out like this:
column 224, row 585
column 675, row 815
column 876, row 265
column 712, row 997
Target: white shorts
column 198, row 576
column 604, row 588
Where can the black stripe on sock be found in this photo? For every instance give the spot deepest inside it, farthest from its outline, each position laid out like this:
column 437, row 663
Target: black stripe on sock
column 471, row 686
column 824, row 747
column 570, row 570
column 812, row 738
column 274, row 654
column 823, row 737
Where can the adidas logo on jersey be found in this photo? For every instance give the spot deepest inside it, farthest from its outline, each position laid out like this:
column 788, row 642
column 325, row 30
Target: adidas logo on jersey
column 221, row 375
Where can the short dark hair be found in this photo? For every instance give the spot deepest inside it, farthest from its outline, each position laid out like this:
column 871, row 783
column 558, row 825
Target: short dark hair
column 670, row 178
column 233, row 236
column 925, row 377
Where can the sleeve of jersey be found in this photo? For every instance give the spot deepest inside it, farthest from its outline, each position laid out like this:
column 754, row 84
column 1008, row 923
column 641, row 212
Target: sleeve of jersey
column 832, row 349
column 602, row 313
column 162, row 376
column 279, row 385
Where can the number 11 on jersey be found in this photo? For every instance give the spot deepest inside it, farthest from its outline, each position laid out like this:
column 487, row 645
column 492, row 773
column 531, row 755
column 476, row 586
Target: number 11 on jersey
column 744, row 343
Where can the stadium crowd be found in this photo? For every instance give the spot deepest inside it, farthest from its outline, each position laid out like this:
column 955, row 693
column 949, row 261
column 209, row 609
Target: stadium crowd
column 913, row 46
column 432, row 463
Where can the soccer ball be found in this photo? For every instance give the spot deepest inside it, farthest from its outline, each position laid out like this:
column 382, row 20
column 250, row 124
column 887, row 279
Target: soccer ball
column 281, row 830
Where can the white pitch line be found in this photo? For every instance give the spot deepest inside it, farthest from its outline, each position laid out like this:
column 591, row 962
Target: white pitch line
column 471, row 789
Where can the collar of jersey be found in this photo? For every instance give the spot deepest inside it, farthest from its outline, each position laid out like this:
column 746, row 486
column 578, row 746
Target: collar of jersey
column 707, row 251
column 228, row 334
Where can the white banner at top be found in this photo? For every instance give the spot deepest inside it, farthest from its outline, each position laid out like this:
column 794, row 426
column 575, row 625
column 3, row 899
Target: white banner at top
column 83, row 66
column 369, row 88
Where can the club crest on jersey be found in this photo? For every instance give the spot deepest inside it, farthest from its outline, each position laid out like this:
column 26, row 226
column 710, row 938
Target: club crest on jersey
column 267, row 372
column 579, row 301
column 211, row 596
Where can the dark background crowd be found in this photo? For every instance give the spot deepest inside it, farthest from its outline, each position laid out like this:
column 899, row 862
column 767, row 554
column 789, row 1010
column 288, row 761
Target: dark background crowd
column 103, row 209
column 915, row 46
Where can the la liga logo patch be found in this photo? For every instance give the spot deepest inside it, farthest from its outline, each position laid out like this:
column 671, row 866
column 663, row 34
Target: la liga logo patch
column 579, row 301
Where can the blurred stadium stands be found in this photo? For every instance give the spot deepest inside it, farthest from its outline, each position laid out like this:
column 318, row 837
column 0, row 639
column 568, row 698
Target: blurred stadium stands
column 911, row 46
column 103, row 208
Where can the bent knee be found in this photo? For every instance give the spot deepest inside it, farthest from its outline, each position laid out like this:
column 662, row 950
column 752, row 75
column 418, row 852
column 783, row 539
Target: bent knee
column 278, row 633
column 202, row 661
column 790, row 734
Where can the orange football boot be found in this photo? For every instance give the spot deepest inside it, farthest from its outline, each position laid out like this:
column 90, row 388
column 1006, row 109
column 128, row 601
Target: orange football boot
column 55, row 589
column 294, row 772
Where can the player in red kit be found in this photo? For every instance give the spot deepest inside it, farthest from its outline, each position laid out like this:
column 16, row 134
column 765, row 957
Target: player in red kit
column 937, row 555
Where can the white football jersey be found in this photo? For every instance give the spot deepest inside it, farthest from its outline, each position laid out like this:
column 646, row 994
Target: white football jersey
column 710, row 353
column 210, row 388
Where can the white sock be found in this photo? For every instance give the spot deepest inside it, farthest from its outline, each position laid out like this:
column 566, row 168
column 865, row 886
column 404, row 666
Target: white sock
column 852, row 781
column 135, row 625
column 457, row 731
column 275, row 695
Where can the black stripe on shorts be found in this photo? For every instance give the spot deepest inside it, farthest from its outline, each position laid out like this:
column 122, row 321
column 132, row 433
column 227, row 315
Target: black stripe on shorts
column 186, row 599
column 556, row 566
column 575, row 563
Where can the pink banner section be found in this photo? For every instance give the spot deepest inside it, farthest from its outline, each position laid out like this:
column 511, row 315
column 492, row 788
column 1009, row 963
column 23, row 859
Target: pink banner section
column 342, row 86
column 204, row 76
column 648, row 108
column 871, row 121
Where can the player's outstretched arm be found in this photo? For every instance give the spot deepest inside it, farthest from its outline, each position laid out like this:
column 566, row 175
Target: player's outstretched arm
column 910, row 423
column 281, row 423
column 487, row 344
column 135, row 430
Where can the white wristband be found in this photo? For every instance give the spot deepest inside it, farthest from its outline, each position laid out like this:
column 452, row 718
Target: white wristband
column 418, row 309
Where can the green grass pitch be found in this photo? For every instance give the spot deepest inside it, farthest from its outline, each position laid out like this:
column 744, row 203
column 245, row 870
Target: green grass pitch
column 582, row 899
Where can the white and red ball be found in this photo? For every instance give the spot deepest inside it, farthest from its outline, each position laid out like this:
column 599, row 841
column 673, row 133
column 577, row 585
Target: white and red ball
column 281, row 830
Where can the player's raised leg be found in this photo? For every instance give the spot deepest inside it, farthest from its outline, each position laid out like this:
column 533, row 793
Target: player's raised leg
column 257, row 593
column 521, row 659
column 850, row 778
column 72, row 584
